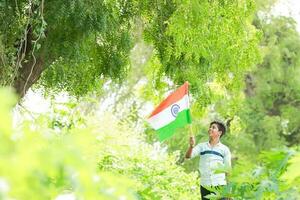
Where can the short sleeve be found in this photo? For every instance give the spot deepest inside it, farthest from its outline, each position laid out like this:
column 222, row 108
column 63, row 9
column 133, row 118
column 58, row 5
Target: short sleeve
column 196, row 151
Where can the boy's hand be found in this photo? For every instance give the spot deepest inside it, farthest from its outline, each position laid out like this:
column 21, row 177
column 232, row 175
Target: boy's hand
column 192, row 141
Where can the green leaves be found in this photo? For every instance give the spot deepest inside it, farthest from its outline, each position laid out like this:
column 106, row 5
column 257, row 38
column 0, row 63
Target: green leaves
column 85, row 41
column 96, row 42
column 207, row 41
column 292, row 174
column 263, row 180
column 272, row 89
column 8, row 100
column 105, row 159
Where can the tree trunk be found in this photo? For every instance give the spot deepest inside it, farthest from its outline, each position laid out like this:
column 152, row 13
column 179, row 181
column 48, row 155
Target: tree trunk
column 250, row 87
column 31, row 66
column 28, row 75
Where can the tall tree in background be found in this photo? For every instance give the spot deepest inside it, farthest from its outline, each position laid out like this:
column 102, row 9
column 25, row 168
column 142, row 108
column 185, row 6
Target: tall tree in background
column 273, row 90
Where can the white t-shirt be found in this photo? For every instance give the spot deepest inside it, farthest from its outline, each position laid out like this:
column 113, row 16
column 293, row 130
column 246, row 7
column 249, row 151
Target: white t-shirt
column 212, row 158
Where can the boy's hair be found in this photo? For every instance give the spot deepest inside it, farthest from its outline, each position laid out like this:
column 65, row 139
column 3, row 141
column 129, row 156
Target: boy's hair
column 221, row 126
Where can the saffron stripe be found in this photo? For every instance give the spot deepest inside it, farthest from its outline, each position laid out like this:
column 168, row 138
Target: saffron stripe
column 183, row 118
column 171, row 99
column 165, row 117
column 211, row 152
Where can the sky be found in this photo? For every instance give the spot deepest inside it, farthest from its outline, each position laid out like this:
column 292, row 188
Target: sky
column 288, row 8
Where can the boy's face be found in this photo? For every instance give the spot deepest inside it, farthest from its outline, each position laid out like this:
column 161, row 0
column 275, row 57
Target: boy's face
column 213, row 131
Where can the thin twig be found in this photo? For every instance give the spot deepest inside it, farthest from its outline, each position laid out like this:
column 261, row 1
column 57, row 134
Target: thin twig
column 32, row 53
column 21, row 56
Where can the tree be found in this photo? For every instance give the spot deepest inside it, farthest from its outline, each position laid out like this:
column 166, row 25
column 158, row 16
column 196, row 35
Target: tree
column 272, row 89
column 76, row 45
column 204, row 42
column 78, row 42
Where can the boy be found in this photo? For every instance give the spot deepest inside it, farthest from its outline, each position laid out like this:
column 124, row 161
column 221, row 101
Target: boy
column 213, row 155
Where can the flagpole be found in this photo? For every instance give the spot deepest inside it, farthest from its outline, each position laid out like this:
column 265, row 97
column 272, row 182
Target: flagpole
column 191, row 134
column 191, row 131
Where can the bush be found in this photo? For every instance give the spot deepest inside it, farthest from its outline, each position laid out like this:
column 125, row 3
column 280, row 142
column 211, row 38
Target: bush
column 102, row 160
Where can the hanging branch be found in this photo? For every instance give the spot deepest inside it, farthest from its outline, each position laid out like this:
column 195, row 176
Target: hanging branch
column 27, row 72
column 34, row 47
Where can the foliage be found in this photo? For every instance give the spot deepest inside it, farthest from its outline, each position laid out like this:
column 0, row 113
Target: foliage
column 211, row 44
column 81, row 44
column 203, row 42
column 78, row 42
column 38, row 162
column 45, row 162
column 264, row 180
column 270, row 112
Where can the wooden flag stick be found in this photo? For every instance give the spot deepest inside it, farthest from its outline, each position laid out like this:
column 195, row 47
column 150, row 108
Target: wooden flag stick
column 191, row 131
column 191, row 134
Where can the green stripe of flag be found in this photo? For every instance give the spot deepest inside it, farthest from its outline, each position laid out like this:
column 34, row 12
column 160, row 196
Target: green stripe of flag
column 183, row 118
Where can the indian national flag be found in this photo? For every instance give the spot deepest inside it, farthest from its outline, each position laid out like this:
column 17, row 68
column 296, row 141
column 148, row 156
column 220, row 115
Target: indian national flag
column 172, row 113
